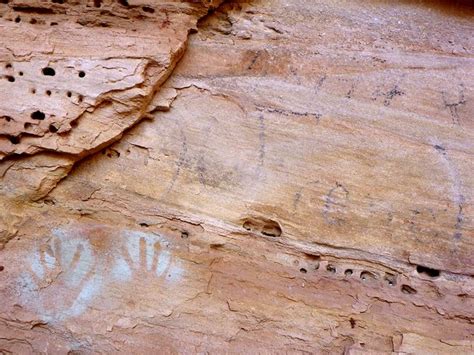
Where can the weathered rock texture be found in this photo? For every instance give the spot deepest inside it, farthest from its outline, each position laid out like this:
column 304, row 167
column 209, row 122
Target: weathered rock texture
column 303, row 181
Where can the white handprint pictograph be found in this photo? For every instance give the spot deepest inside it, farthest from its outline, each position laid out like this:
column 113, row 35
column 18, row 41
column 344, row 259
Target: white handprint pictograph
column 63, row 262
column 143, row 255
column 76, row 264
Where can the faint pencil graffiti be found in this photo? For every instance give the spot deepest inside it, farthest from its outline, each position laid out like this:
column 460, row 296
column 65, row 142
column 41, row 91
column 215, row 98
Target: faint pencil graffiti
column 454, row 103
column 335, row 205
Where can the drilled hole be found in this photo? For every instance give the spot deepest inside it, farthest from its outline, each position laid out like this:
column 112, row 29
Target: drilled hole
column 303, row 270
column 10, row 78
column 80, row 98
column 427, row 271
column 48, row 71
column 33, row 91
column 82, row 74
column 8, row 66
column 27, row 125
column 331, row 268
column 33, row 21
column 38, row 115
column 69, row 94
column 48, row 92
column 2, row 267
column 18, row 19
column 184, row 234
column 145, row 225
column 20, row 73
column 348, row 272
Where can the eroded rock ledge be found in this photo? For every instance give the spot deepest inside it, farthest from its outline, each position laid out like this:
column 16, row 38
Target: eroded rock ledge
column 76, row 74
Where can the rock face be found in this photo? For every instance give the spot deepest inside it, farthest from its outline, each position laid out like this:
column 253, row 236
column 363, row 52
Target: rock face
column 303, row 180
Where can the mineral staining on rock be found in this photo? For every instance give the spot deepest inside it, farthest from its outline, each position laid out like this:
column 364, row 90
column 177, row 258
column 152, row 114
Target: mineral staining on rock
column 302, row 182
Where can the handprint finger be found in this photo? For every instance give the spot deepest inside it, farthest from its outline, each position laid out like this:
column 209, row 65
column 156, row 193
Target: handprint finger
column 143, row 254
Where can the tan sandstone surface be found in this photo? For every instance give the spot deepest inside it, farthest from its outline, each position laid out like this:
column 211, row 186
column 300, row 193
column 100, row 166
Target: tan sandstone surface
column 301, row 181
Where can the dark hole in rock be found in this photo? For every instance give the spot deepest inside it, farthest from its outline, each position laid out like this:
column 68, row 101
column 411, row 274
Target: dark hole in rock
column 112, row 153
column 80, row 98
column 143, row 224
column 124, row 3
column 48, row 71
column 69, row 94
column 48, row 92
column 52, row 128
column 97, row 3
column 331, row 268
column 49, row 202
column 247, row 225
column 27, row 125
column 348, row 272
column 184, row 234
column 10, row 78
column 33, row 21
column 38, row 115
column 8, row 66
column 74, row 124
column 14, row 139
column 2, row 267
column 20, row 73
column 271, row 229
column 353, row 322
column 82, row 74
column 58, row 1
column 7, row 118
column 390, row 279
column 367, row 275
column 314, row 259
column 53, row 24
column 18, row 19
column 33, row 91
column 303, row 270
column 408, row 290
column 148, row 9
column 218, row 246
column 427, row 271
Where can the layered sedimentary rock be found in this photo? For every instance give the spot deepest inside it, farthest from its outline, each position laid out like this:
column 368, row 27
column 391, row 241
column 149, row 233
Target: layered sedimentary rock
column 303, row 183
column 74, row 76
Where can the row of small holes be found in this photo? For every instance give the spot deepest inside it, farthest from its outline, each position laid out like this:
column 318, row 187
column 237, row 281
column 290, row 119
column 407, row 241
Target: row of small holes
column 48, row 71
column 364, row 275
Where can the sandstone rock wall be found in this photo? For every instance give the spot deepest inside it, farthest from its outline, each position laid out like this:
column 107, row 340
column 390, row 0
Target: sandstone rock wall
column 302, row 181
